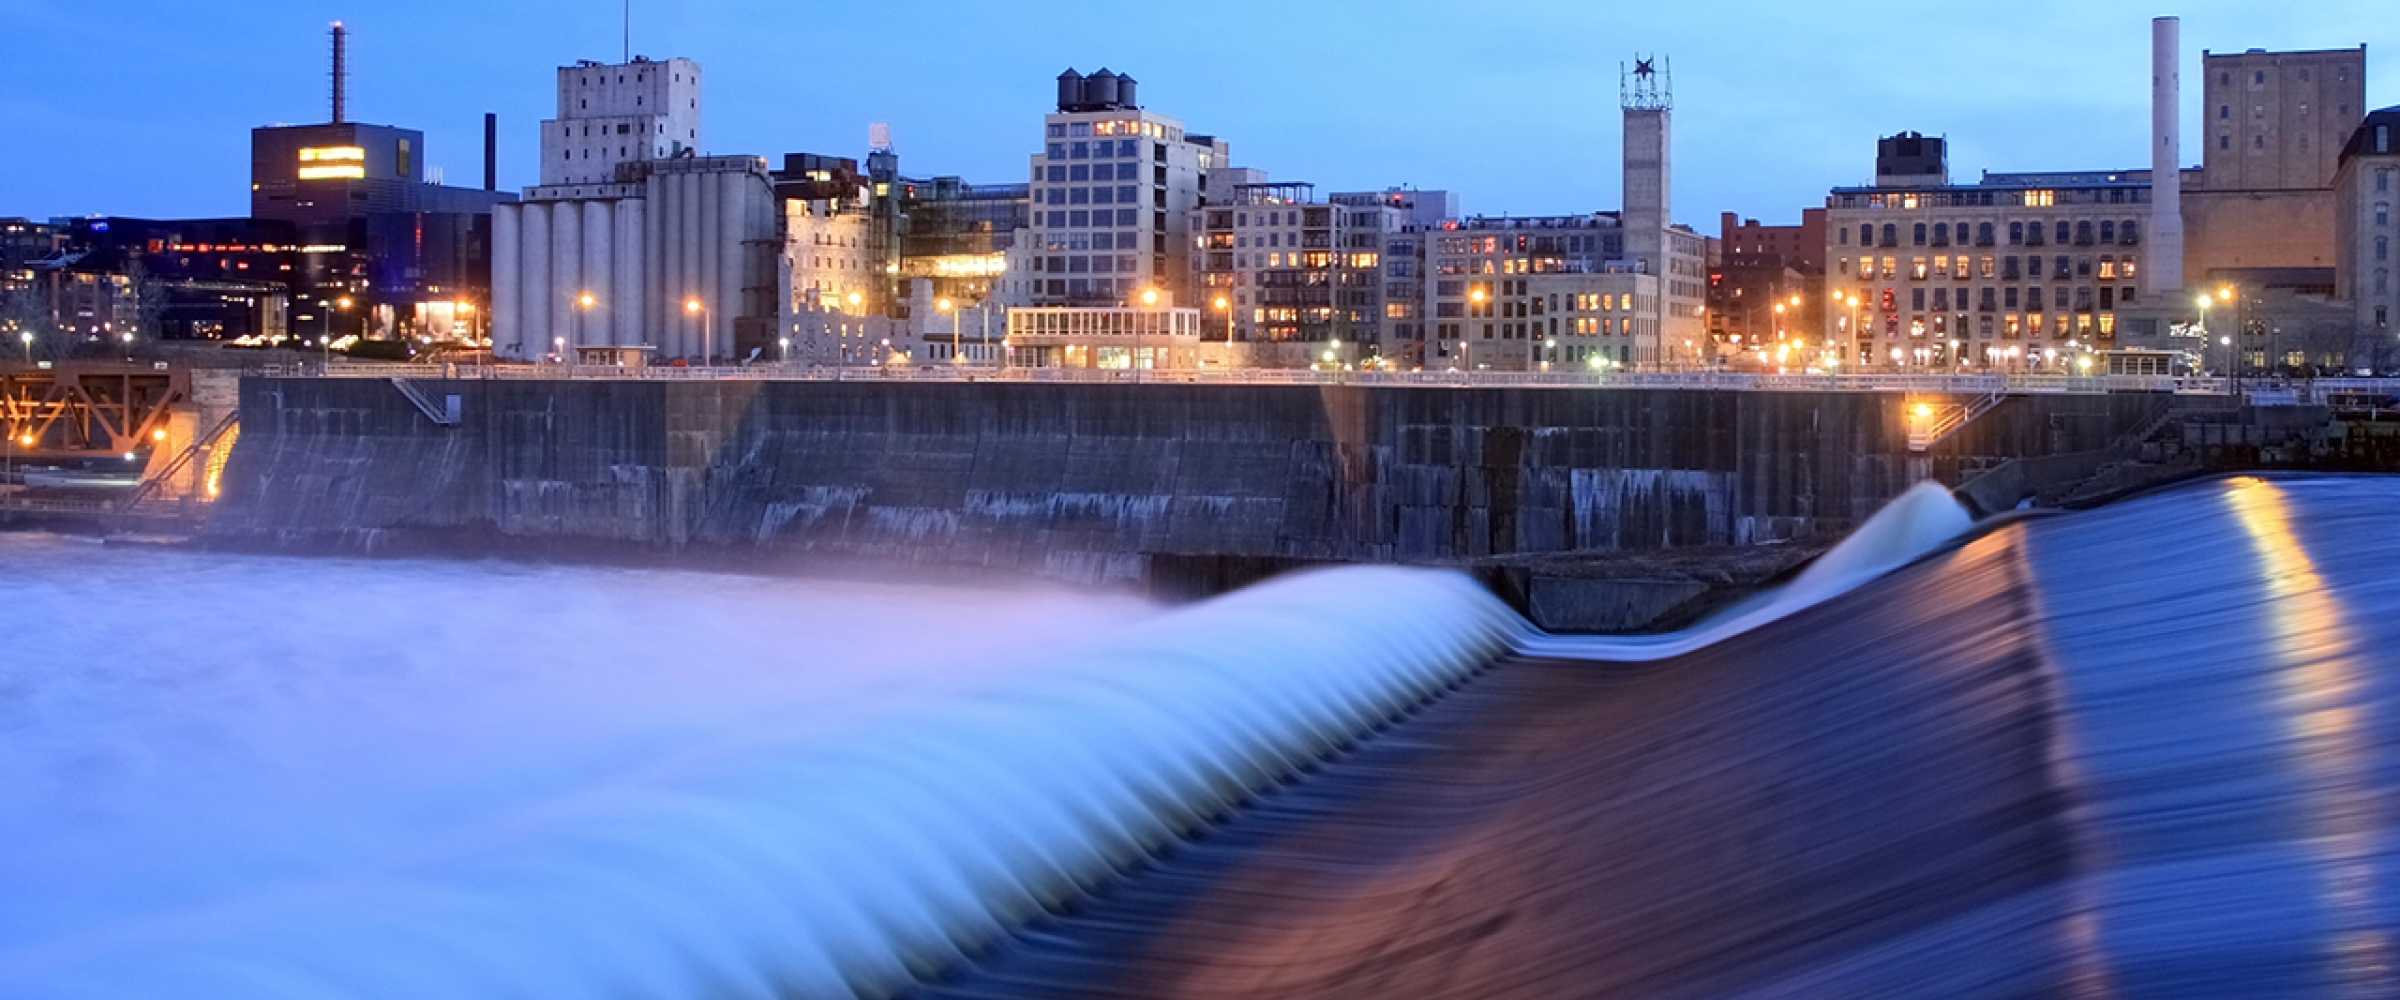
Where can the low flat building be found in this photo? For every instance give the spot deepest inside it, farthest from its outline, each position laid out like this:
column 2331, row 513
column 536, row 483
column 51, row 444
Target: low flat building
column 1104, row 338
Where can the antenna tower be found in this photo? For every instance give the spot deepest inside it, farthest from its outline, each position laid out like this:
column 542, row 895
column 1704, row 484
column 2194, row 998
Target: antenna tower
column 1648, row 86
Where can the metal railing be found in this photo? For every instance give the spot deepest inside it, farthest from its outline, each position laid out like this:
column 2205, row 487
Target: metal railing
column 2306, row 391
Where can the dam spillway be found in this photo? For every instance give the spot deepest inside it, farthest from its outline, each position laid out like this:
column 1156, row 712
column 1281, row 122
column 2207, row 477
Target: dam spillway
column 2136, row 752
column 2140, row 752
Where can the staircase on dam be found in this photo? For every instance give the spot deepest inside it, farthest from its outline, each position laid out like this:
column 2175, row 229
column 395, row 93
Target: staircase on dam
column 1930, row 423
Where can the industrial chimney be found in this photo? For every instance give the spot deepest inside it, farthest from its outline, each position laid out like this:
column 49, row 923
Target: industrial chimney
column 491, row 151
column 341, row 73
column 2162, row 266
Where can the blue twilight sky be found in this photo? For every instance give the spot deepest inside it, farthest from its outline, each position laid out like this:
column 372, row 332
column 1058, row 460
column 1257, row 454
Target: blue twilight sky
column 143, row 108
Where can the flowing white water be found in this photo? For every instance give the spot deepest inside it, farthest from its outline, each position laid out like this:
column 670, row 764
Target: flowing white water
column 1922, row 520
column 267, row 778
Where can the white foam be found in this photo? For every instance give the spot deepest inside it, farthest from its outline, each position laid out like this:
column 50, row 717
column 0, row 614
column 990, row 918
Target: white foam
column 1921, row 520
column 312, row 780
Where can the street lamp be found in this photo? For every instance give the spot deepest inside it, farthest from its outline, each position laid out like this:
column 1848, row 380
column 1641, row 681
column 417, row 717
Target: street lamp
column 1141, row 330
column 2204, row 302
column 947, row 306
column 708, row 333
column 785, row 343
column 1226, row 307
column 27, row 337
column 583, row 312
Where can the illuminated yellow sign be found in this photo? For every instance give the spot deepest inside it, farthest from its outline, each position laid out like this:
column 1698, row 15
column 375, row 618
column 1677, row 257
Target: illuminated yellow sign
column 333, row 163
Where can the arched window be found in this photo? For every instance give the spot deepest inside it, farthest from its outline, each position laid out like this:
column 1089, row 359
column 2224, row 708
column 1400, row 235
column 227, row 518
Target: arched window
column 1941, row 234
column 2383, row 248
column 2016, row 234
column 2108, row 231
column 1866, row 236
column 1891, row 235
column 2127, row 233
column 2383, row 213
column 1983, row 234
column 2083, row 233
column 2063, row 234
column 1919, row 234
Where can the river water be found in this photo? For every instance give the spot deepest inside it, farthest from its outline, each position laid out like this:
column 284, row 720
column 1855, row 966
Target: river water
column 257, row 776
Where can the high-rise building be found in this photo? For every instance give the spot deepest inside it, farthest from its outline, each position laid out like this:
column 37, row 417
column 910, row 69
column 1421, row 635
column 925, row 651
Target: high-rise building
column 622, row 113
column 1114, row 189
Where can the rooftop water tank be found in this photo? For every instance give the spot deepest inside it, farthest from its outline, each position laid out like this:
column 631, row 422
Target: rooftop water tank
column 1100, row 89
column 1070, row 90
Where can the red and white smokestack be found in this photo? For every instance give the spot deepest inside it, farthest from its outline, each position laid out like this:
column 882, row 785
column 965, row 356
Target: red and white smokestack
column 341, row 73
column 2162, row 266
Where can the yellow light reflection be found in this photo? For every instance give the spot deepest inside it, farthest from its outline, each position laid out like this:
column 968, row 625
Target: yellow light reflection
column 214, row 476
column 2322, row 673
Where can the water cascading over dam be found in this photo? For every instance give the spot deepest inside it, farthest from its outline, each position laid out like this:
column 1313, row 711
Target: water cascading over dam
column 2134, row 752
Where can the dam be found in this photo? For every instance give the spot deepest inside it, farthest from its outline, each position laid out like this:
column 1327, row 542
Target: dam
column 1092, row 483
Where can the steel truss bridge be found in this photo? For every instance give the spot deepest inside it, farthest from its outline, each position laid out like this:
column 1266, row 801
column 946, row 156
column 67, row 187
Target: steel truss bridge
column 75, row 409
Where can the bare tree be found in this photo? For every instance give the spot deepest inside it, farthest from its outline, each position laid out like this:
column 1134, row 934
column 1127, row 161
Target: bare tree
column 27, row 310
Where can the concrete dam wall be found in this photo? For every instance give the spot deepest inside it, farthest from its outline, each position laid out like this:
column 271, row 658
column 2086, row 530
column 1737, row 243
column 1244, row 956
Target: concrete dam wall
column 1081, row 482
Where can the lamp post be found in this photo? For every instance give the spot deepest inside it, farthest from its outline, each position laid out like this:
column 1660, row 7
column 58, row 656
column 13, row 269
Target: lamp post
column 950, row 307
column 2204, row 302
column 27, row 337
column 784, row 344
column 583, row 312
column 1852, row 302
column 2233, row 371
column 708, row 332
column 1141, row 330
column 1226, row 307
column 1477, row 296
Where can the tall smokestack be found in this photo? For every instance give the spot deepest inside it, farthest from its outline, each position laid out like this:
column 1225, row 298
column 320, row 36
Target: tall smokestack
column 491, row 151
column 341, row 73
column 2163, row 265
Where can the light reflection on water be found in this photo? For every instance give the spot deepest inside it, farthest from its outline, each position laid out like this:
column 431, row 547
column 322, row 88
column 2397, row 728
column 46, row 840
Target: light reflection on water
column 2322, row 673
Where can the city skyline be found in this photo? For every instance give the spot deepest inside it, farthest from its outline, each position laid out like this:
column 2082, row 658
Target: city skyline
column 166, row 134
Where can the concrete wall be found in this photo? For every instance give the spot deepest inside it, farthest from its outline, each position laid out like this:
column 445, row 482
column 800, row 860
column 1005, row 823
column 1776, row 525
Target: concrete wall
column 1081, row 482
